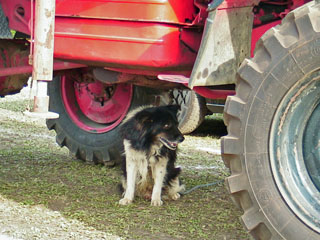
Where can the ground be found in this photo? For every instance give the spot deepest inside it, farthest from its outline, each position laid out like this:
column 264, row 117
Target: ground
column 47, row 194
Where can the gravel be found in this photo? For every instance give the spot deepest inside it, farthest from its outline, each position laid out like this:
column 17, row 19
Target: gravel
column 24, row 222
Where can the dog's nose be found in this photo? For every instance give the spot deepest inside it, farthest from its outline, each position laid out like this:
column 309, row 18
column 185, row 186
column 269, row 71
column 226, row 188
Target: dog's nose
column 180, row 139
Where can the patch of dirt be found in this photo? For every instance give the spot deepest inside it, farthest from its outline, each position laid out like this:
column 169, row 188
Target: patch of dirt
column 37, row 222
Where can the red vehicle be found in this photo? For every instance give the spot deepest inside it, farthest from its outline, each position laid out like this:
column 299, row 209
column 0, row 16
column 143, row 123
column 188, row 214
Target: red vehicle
column 111, row 56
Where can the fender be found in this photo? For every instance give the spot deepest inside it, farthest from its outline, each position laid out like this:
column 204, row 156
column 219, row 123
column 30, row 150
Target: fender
column 225, row 43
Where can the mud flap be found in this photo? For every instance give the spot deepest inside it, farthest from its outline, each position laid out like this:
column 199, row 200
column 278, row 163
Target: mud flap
column 226, row 42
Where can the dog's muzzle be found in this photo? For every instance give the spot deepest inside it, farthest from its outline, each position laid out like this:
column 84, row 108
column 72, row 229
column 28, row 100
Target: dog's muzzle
column 171, row 144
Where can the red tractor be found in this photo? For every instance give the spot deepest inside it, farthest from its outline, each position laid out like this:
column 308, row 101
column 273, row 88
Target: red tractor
column 111, row 56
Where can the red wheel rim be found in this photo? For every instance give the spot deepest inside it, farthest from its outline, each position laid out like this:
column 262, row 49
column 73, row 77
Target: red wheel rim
column 96, row 107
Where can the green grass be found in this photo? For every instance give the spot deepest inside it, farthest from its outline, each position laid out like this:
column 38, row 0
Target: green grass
column 34, row 170
column 16, row 106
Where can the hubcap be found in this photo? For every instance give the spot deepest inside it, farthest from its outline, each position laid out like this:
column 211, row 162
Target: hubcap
column 96, row 107
column 295, row 149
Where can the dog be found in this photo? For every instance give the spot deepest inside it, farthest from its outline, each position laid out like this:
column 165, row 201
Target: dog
column 150, row 138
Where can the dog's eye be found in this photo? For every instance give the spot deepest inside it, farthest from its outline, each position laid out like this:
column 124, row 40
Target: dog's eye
column 166, row 126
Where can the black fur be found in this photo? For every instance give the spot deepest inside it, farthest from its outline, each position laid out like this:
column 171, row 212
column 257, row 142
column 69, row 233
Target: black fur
column 143, row 128
column 144, row 125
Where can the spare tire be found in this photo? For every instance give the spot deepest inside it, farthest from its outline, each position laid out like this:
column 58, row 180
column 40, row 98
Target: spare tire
column 192, row 109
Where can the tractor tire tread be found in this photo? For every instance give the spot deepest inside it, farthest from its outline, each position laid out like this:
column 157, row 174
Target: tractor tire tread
column 276, row 43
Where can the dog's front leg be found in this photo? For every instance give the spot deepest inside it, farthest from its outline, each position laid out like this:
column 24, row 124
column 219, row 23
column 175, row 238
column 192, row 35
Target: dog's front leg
column 159, row 172
column 132, row 169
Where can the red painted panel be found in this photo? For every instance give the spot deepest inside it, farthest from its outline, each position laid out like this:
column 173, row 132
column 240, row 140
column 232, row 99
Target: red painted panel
column 19, row 13
column 140, row 35
column 168, row 11
column 121, row 44
column 259, row 31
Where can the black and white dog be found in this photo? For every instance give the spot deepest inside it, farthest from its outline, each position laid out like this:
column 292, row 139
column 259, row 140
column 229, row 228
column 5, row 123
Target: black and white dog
column 150, row 138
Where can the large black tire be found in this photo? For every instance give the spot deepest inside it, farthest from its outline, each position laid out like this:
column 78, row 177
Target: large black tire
column 103, row 148
column 192, row 110
column 272, row 146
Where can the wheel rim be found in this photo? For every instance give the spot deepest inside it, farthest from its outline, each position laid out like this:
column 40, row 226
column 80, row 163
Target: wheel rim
column 96, row 107
column 295, row 149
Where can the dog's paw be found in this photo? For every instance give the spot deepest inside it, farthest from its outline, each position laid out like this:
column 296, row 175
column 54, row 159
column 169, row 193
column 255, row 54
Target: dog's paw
column 125, row 201
column 175, row 196
column 156, row 202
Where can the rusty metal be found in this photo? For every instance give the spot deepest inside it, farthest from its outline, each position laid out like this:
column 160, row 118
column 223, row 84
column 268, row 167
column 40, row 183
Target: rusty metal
column 12, row 84
column 203, row 91
column 113, row 77
column 41, row 101
column 57, row 66
column 13, row 54
column 43, row 57
column 106, row 76
column 43, row 40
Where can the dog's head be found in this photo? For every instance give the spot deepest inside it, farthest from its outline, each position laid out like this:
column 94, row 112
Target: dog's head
column 161, row 125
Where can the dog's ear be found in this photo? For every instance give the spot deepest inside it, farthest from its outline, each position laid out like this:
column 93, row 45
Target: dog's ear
column 144, row 117
column 173, row 109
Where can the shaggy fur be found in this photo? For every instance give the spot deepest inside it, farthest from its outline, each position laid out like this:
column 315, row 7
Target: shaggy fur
column 151, row 136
